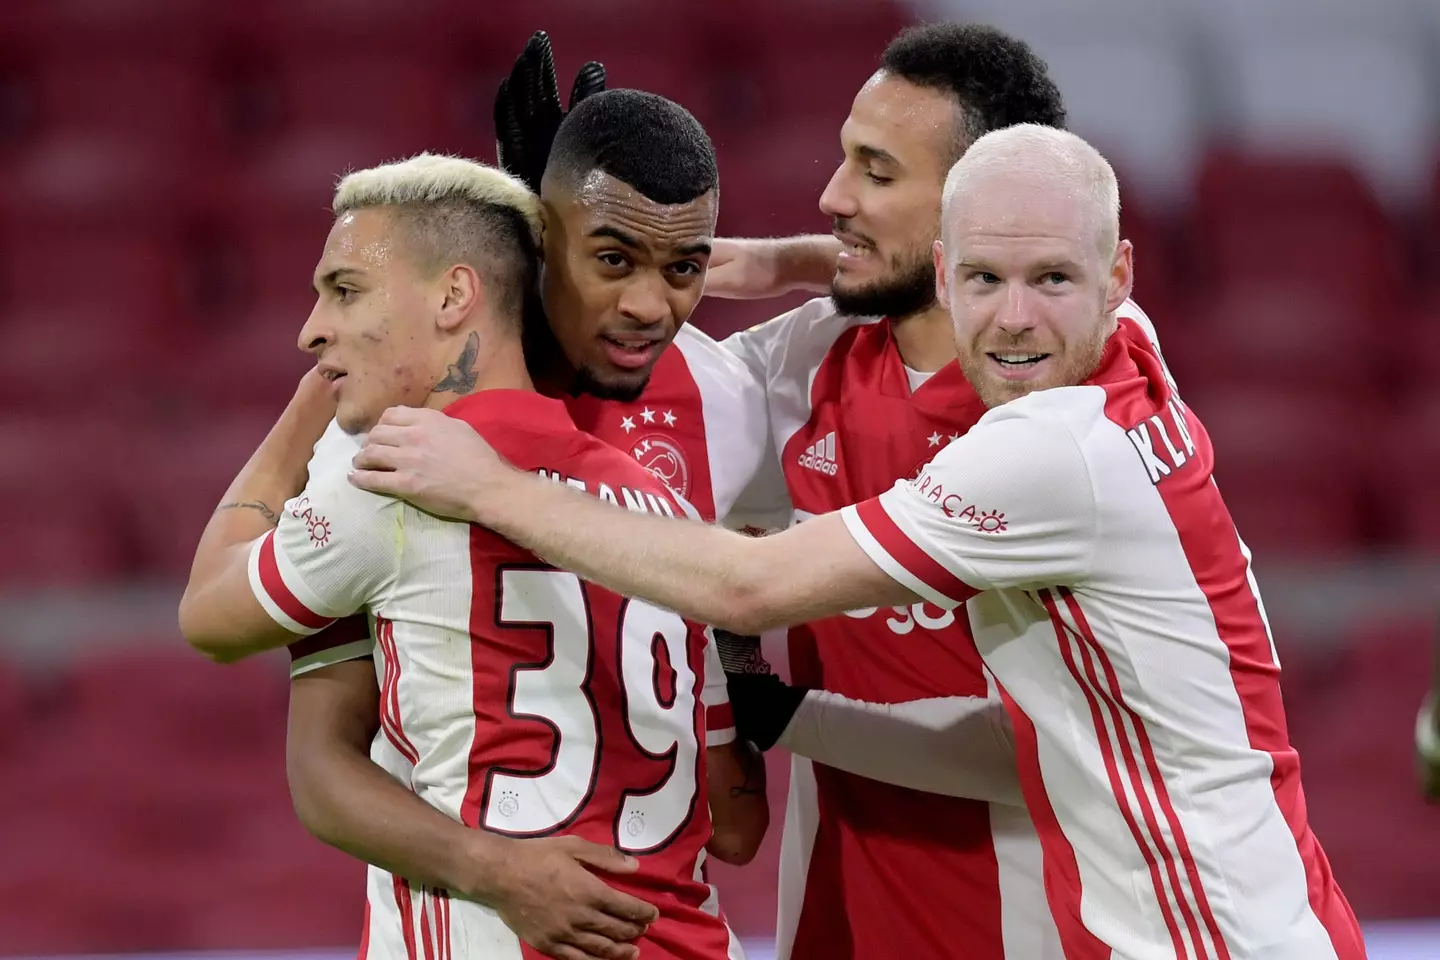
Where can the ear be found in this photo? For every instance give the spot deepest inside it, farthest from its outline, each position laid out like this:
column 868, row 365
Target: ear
column 1122, row 276
column 463, row 294
column 942, row 277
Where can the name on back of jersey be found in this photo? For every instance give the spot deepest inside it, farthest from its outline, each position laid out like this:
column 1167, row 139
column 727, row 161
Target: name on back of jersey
column 1163, row 442
column 636, row 501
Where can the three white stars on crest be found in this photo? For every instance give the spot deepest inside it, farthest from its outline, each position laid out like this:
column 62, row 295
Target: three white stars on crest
column 936, row 439
column 648, row 416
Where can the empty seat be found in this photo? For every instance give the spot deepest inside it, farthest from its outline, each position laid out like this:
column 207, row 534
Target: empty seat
column 1406, row 476
column 250, row 367
column 186, row 466
column 1311, row 220
column 1286, row 334
column 1290, row 466
column 13, row 707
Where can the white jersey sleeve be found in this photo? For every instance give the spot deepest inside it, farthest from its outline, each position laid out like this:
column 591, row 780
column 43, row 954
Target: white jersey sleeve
column 955, row 746
column 1009, row 505
column 719, row 717
column 335, row 551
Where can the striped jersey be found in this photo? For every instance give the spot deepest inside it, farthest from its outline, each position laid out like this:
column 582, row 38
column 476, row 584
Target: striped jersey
column 515, row 698
column 1112, row 599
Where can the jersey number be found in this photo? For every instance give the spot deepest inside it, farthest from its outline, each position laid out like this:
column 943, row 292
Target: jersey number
column 557, row 693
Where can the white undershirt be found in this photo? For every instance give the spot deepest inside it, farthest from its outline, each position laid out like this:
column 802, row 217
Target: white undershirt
column 917, row 377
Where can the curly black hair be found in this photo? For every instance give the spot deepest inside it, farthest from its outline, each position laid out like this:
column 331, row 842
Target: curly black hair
column 997, row 79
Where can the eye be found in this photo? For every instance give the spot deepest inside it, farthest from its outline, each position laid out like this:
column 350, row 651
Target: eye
column 612, row 259
column 345, row 294
column 985, row 277
column 686, row 268
column 1055, row 277
column 878, row 180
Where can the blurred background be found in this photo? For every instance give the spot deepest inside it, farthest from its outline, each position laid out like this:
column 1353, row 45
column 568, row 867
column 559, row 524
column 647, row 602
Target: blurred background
column 165, row 175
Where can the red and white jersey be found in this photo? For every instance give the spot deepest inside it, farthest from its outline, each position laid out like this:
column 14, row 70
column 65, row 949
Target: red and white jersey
column 701, row 426
column 515, row 697
column 867, row 868
column 1111, row 597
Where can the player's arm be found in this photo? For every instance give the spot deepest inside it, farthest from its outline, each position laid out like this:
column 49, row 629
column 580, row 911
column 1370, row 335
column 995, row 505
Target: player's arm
column 739, row 809
column 219, row 614
column 753, row 269
column 544, row 889
column 1003, row 506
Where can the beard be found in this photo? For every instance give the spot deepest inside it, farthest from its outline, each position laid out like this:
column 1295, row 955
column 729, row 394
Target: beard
column 588, row 385
column 909, row 289
column 1072, row 364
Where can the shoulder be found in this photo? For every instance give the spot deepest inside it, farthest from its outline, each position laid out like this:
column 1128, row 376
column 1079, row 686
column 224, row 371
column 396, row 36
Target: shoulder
column 1042, row 434
column 806, row 331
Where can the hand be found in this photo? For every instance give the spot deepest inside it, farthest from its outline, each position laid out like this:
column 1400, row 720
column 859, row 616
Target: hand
column 527, row 108
column 737, row 272
column 434, row 461
column 763, row 704
column 552, row 900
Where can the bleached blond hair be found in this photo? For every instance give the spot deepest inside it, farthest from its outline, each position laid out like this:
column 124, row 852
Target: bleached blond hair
column 456, row 210
column 1030, row 149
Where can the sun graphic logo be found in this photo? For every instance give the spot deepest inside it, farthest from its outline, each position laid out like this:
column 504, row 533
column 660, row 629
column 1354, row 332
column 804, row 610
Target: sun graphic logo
column 662, row 457
column 991, row 521
column 319, row 531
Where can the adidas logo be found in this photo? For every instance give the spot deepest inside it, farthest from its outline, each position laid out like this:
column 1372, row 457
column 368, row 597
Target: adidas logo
column 821, row 456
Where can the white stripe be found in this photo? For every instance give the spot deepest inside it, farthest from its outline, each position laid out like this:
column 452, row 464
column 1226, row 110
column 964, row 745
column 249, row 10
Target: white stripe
column 354, row 650
column 257, row 587
column 797, row 845
column 734, row 950
column 1160, row 841
column 889, row 564
column 1027, row 927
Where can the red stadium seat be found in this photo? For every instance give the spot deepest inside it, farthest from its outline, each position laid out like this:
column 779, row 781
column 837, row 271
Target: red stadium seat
column 1313, row 222
column 64, row 525
column 1283, row 333
column 1290, row 466
column 1405, row 481
column 250, row 367
column 188, row 487
column 14, row 712
column 117, row 271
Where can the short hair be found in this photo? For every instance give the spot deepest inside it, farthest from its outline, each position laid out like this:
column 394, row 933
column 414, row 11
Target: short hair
column 651, row 143
column 454, row 211
column 1036, row 150
column 997, row 79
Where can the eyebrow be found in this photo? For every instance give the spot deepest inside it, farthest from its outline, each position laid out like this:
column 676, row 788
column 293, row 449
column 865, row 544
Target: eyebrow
column 624, row 239
column 330, row 279
column 875, row 153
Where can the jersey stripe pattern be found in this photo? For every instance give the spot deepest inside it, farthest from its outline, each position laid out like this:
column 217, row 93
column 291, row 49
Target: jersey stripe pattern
column 1112, row 598
column 515, row 697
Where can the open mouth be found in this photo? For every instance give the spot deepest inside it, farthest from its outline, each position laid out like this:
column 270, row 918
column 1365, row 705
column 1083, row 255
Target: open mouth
column 1018, row 361
column 630, row 352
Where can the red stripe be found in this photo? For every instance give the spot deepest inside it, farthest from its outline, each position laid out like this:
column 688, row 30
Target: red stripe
column 364, row 952
column 1212, row 549
column 278, row 591
column 442, row 907
column 338, row 634
column 1112, row 771
column 904, row 551
column 390, row 692
column 720, row 717
column 407, row 915
column 425, row 936
column 1062, row 873
column 1157, row 780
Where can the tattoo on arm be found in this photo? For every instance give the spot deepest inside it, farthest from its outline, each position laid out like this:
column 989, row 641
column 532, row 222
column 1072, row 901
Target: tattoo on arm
column 265, row 511
column 460, row 378
column 754, row 766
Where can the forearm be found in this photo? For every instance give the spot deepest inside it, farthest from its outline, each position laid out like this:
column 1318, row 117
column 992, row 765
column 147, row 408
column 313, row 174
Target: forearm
column 700, row 570
column 739, row 809
column 275, row 472
column 762, row 268
column 956, row 746
column 352, row 804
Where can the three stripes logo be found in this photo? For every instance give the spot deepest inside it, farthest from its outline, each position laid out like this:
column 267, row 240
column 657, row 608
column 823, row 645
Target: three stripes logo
column 820, row 456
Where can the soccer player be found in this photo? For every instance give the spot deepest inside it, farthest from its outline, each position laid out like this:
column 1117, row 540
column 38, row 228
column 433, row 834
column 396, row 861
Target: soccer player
column 1079, row 524
column 560, row 723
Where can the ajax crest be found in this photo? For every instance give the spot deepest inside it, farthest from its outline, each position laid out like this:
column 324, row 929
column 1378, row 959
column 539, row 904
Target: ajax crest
column 664, row 458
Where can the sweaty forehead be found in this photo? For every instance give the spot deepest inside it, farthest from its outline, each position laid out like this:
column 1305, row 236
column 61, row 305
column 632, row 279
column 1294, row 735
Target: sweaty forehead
column 916, row 125
column 997, row 207
column 600, row 200
column 362, row 240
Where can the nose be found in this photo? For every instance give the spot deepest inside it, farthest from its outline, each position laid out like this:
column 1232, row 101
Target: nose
column 644, row 300
column 838, row 198
column 316, row 332
column 1015, row 315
